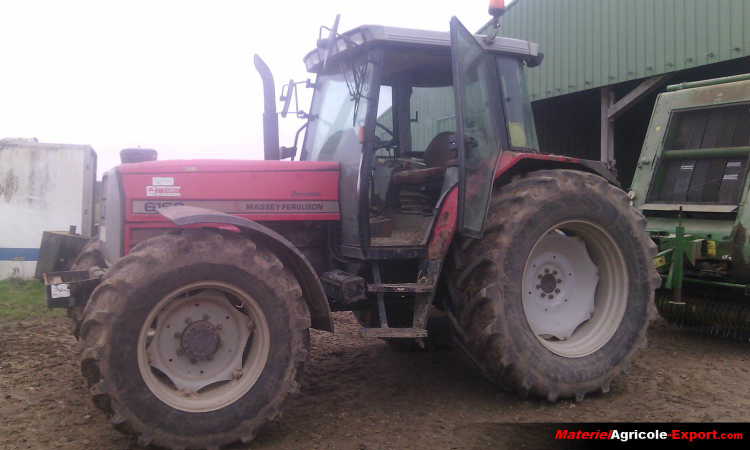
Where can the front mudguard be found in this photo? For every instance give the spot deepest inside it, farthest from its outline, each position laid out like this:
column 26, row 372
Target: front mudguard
column 312, row 288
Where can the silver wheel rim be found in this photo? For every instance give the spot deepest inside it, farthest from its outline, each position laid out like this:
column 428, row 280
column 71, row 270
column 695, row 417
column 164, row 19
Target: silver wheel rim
column 203, row 346
column 575, row 288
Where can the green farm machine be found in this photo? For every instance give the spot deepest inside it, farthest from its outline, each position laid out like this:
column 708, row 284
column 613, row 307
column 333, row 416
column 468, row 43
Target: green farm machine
column 691, row 184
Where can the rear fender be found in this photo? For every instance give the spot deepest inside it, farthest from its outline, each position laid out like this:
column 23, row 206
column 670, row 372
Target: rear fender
column 514, row 163
column 191, row 217
column 509, row 165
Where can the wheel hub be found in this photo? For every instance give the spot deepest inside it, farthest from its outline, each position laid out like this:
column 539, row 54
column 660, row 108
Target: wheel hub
column 575, row 288
column 203, row 346
column 200, row 340
column 560, row 285
column 548, row 283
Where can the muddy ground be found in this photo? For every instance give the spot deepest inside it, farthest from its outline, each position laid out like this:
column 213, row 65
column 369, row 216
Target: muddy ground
column 358, row 394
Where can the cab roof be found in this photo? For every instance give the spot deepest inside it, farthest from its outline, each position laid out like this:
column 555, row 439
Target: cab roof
column 366, row 36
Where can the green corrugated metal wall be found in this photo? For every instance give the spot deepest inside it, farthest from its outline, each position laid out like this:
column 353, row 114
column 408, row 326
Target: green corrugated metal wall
column 594, row 43
column 437, row 113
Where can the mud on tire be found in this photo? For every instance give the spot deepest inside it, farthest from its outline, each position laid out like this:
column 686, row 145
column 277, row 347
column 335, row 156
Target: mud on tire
column 487, row 279
column 91, row 258
column 130, row 293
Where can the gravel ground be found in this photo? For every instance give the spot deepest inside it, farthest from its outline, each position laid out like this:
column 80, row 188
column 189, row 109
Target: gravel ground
column 358, row 394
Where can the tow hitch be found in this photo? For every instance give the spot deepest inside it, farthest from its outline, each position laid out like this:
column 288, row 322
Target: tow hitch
column 63, row 288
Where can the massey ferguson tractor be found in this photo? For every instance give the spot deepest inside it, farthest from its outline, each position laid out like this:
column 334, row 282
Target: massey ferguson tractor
column 194, row 304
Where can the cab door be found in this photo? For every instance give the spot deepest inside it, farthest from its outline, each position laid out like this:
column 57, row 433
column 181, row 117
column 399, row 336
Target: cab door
column 476, row 86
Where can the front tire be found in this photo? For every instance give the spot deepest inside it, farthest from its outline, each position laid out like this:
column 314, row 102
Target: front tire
column 195, row 339
column 92, row 260
column 555, row 299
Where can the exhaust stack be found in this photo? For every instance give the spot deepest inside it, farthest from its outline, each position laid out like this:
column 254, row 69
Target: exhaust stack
column 270, row 118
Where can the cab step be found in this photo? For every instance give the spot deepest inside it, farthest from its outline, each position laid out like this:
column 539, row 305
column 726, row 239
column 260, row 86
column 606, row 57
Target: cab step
column 400, row 288
column 394, row 333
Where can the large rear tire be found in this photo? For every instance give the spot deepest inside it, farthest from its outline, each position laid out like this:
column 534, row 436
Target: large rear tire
column 195, row 339
column 557, row 296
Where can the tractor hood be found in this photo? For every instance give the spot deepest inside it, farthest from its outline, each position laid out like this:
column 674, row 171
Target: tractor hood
column 257, row 190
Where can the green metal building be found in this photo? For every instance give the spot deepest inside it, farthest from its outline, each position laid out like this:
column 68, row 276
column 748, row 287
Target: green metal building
column 605, row 62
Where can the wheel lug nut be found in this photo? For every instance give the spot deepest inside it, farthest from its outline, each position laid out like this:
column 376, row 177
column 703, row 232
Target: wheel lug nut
column 557, row 291
column 559, row 280
column 538, row 286
column 546, row 270
column 539, row 276
column 554, row 272
column 551, row 297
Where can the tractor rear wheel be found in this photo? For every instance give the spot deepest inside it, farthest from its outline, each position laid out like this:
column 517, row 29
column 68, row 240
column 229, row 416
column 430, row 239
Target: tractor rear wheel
column 195, row 339
column 556, row 298
column 91, row 258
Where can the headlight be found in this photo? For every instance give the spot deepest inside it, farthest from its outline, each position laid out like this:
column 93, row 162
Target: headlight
column 357, row 38
column 312, row 60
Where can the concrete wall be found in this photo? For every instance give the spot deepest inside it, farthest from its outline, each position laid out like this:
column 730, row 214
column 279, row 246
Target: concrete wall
column 42, row 187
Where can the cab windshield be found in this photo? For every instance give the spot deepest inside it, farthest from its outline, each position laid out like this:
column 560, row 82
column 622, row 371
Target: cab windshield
column 337, row 113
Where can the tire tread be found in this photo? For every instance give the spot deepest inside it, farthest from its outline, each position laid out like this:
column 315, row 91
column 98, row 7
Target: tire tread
column 163, row 253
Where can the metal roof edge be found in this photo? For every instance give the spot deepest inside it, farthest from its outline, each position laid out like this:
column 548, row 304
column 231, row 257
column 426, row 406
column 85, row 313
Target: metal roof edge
column 709, row 82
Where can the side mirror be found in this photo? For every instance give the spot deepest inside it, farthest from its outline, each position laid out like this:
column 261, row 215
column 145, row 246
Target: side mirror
column 287, row 91
column 535, row 61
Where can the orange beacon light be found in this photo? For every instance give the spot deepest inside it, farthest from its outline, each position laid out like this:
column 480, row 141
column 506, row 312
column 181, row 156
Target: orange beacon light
column 497, row 8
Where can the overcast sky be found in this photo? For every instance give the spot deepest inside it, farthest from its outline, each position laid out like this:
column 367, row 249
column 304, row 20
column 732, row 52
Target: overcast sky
column 171, row 75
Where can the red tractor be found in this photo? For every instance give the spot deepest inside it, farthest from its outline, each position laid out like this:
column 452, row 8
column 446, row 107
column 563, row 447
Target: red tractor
column 194, row 304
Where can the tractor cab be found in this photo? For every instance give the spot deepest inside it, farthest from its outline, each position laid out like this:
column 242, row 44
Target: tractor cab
column 363, row 116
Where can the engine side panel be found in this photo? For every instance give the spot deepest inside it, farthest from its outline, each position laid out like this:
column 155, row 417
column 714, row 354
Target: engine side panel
column 262, row 191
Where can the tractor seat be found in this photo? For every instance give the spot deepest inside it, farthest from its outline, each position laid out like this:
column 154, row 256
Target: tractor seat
column 440, row 154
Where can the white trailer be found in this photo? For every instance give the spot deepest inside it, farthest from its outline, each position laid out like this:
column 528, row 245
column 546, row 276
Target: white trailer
column 42, row 187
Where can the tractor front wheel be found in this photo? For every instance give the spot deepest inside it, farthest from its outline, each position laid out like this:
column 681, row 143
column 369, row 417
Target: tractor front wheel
column 195, row 339
column 556, row 298
column 90, row 259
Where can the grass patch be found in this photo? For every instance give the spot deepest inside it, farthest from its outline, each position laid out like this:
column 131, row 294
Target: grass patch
column 24, row 299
